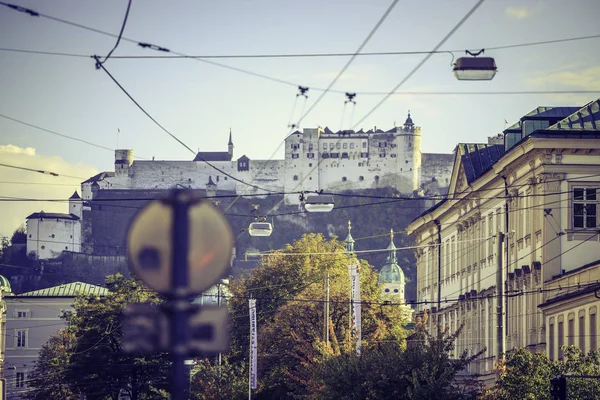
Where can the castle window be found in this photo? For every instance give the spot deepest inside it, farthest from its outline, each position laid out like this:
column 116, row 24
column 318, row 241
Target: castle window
column 364, row 155
column 387, row 290
column 364, row 145
column 405, row 161
column 338, row 145
column 310, row 147
column 29, row 236
column 382, row 155
column 43, row 247
column 392, row 145
column 217, row 178
column 71, row 236
column 330, row 146
column 345, row 146
column 410, row 145
column 376, row 178
column 344, row 179
column 334, row 155
column 295, row 146
column 351, row 145
column 325, row 155
column 393, row 155
column 53, row 236
column 295, row 155
column 344, row 155
column 395, row 290
column 66, row 248
column 324, row 146
column 310, row 164
column 361, row 178
column 310, row 155
column 295, row 177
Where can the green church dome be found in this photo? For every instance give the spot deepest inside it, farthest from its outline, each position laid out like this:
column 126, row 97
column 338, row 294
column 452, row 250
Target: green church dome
column 391, row 271
column 4, row 285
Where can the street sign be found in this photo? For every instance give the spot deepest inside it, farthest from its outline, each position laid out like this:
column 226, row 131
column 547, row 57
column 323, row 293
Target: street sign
column 150, row 245
column 146, row 329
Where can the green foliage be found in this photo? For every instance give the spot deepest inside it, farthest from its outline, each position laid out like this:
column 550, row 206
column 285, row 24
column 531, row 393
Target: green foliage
column 289, row 288
column 212, row 382
column 526, row 375
column 93, row 362
column 424, row 370
column 19, row 236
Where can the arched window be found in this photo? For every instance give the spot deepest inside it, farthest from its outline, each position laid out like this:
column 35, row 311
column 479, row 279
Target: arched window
column 376, row 178
column 361, row 178
column 295, row 177
column 343, row 179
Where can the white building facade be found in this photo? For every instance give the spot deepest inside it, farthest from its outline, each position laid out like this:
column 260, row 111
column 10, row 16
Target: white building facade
column 540, row 191
column 315, row 159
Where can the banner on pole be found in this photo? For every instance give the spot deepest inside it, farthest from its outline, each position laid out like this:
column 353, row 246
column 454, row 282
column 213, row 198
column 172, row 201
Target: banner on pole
column 253, row 343
column 354, row 270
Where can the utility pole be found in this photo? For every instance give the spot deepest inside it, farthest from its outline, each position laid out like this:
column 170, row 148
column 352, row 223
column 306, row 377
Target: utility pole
column 439, row 263
column 326, row 317
column 499, row 304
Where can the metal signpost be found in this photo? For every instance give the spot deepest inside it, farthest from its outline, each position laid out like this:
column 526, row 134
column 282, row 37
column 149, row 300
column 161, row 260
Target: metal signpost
column 179, row 246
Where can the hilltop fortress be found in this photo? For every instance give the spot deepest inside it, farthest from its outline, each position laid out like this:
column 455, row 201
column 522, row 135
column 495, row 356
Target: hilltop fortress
column 315, row 159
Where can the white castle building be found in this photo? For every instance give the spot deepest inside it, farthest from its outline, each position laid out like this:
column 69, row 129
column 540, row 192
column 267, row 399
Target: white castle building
column 315, row 159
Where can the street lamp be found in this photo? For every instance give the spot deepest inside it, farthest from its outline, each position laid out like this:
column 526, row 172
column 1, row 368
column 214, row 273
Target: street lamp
column 475, row 69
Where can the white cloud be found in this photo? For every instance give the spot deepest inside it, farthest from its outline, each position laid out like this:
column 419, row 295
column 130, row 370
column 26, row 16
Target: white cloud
column 31, row 185
column 518, row 12
column 574, row 78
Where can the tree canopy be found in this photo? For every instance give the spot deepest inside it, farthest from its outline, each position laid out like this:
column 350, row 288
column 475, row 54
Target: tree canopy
column 527, row 375
column 290, row 292
column 87, row 357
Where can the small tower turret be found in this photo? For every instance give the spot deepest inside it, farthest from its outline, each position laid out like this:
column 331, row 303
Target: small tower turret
column 391, row 276
column 211, row 188
column 123, row 160
column 76, row 205
column 349, row 239
column 230, row 145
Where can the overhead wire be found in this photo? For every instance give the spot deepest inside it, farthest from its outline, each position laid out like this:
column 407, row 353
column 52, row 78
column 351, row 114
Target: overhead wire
column 118, row 38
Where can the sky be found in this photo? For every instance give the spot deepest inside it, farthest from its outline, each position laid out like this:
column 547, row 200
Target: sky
column 200, row 102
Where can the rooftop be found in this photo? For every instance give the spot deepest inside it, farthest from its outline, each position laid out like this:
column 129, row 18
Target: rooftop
column 67, row 290
column 42, row 215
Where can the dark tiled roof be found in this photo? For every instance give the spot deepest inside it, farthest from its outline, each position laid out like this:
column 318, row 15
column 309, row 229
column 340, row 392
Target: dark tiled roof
column 100, row 177
column 585, row 118
column 75, row 195
column 550, row 112
column 328, row 131
column 213, row 156
column 478, row 158
column 570, row 295
column 42, row 214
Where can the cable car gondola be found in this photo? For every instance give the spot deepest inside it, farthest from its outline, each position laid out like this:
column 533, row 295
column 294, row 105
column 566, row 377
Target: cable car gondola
column 319, row 203
column 260, row 228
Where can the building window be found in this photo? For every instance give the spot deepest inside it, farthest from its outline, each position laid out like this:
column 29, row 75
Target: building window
column 295, row 146
column 593, row 338
column 334, row 155
column 344, row 179
column 338, row 145
column 393, row 155
column 21, row 314
column 585, row 207
column 66, row 247
column 345, row 146
column 310, row 147
column 571, row 332
column 351, row 145
column 344, row 155
column 324, row 146
column 361, row 178
column 53, row 236
column 330, row 146
column 29, row 236
column 295, row 155
column 310, row 164
column 43, row 247
column 310, row 155
column 551, row 342
column 20, row 379
column 582, row 332
column 21, row 338
column 364, row 145
column 382, row 155
column 561, row 339
column 364, row 155
column 376, row 178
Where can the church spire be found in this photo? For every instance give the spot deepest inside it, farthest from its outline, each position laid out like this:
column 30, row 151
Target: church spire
column 392, row 259
column 349, row 239
column 230, row 145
